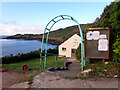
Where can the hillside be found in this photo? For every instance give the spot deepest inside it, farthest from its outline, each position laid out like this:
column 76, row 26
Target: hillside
column 55, row 37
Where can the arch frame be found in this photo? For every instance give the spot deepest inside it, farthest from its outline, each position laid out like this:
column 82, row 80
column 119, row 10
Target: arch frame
column 60, row 17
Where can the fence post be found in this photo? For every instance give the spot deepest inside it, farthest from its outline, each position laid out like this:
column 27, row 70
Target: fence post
column 64, row 61
column 56, row 61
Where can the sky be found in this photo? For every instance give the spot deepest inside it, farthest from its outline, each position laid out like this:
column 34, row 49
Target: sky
column 32, row 17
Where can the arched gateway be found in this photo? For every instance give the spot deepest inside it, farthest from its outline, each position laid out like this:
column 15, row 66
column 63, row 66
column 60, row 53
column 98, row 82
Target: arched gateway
column 48, row 28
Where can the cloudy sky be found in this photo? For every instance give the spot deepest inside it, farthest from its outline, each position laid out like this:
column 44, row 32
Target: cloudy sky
column 32, row 17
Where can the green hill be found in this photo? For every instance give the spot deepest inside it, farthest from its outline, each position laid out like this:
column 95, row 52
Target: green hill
column 56, row 36
column 63, row 34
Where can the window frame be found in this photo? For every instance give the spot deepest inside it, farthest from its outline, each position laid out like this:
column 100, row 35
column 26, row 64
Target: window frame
column 63, row 49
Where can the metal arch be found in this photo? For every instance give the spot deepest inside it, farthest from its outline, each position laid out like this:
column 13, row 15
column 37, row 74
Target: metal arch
column 61, row 17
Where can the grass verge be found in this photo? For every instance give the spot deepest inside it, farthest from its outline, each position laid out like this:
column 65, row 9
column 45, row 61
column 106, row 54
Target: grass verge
column 34, row 64
column 100, row 69
column 79, row 77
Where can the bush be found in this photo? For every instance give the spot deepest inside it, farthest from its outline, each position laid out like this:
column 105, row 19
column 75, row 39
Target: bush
column 27, row 56
column 20, row 57
column 111, row 18
column 78, row 52
column 53, row 51
column 116, row 49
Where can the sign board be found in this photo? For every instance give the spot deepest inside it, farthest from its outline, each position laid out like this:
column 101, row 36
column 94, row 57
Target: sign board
column 97, row 43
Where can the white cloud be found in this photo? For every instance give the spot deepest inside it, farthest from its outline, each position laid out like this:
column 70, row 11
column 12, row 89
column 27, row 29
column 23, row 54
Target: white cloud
column 10, row 28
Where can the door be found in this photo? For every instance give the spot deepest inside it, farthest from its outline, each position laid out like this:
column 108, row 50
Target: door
column 73, row 53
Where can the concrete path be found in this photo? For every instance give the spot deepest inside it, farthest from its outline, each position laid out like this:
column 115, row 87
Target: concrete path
column 56, row 79
column 73, row 70
column 20, row 85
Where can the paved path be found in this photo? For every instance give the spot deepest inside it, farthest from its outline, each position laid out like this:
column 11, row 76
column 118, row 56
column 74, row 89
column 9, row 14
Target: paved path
column 73, row 70
column 56, row 80
column 20, row 85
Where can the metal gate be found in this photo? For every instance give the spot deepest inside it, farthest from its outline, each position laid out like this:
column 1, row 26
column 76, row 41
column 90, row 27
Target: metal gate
column 48, row 28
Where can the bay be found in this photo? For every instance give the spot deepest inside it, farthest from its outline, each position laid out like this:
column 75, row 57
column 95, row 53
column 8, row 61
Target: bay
column 15, row 46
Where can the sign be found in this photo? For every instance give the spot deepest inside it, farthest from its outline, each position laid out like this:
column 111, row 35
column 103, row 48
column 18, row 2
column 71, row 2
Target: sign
column 103, row 36
column 96, row 35
column 97, row 43
column 93, row 35
column 103, row 45
column 89, row 35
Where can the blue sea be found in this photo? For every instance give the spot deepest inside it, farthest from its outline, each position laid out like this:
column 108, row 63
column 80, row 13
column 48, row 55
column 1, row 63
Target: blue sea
column 15, row 46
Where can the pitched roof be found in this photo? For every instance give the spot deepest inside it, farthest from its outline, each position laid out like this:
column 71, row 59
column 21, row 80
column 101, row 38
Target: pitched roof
column 70, row 38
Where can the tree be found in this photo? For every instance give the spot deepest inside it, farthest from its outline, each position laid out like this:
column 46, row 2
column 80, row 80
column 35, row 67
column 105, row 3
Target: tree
column 111, row 18
column 116, row 49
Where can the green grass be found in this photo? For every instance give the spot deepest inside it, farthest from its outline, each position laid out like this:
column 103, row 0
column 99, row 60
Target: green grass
column 33, row 64
column 78, row 77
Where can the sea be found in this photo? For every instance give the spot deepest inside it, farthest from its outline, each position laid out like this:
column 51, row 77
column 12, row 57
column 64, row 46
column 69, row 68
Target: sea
column 15, row 46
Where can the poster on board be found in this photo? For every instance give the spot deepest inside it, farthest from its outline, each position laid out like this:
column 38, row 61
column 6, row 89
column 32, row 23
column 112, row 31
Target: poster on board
column 89, row 35
column 103, row 36
column 96, row 35
column 103, row 45
column 93, row 35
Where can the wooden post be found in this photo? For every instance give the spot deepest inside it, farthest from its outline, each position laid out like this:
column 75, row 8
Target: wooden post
column 56, row 61
column 103, row 60
column 42, row 63
column 88, row 60
column 64, row 61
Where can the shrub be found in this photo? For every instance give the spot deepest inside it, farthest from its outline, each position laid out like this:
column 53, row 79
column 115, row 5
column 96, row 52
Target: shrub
column 116, row 49
column 111, row 18
column 78, row 52
column 20, row 57
column 24, row 57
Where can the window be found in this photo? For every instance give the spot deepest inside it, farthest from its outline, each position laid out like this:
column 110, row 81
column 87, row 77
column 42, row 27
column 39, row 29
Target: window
column 63, row 49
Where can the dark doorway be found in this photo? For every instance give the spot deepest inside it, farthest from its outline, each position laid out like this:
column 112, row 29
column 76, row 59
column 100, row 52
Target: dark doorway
column 73, row 53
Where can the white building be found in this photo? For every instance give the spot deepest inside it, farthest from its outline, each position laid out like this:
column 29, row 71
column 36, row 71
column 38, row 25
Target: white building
column 68, row 48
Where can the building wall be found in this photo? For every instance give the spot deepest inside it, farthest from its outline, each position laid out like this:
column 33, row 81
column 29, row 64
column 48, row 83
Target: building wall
column 71, row 43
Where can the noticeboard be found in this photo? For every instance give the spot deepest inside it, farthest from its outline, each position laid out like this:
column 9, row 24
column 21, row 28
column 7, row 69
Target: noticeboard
column 97, row 43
